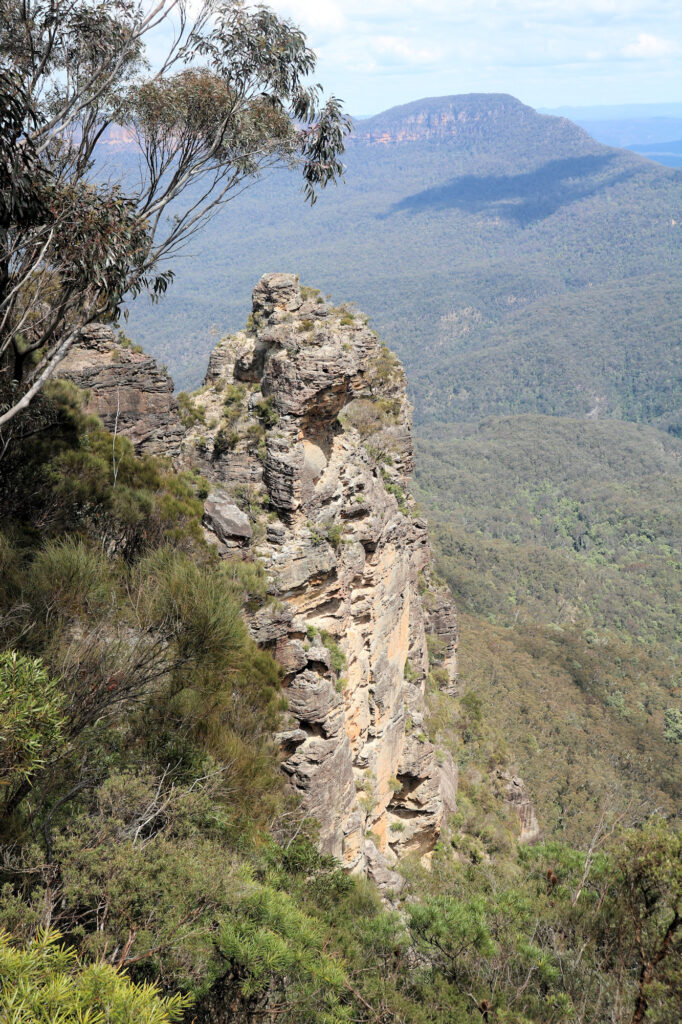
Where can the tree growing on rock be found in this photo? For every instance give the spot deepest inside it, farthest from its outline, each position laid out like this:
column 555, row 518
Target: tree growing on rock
column 229, row 98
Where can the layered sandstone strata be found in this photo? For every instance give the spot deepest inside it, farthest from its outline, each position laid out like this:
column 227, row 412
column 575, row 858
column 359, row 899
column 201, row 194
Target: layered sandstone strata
column 127, row 389
column 303, row 422
column 303, row 430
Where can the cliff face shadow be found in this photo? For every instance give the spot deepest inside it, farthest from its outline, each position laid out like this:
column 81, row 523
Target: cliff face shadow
column 523, row 198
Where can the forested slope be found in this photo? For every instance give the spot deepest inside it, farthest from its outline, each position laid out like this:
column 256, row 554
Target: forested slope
column 143, row 813
column 560, row 539
column 513, row 263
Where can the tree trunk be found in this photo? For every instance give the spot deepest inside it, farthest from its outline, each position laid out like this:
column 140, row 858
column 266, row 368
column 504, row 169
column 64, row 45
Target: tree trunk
column 645, row 977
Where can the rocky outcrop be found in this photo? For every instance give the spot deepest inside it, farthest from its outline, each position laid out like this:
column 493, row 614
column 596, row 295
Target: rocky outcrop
column 512, row 790
column 225, row 524
column 303, row 430
column 303, row 424
column 441, row 627
column 127, row 389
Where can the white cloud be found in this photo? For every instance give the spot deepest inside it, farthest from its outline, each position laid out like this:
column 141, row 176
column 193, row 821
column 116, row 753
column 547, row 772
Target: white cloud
column 648, row 46
column 375, row 53
column 326, row 15
column 400, row 50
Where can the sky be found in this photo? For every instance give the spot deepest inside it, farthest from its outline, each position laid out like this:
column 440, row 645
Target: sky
column 375, row 54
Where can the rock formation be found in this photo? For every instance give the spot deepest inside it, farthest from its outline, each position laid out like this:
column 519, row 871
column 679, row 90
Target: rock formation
column 303, row 423
column 127, row 390
column 303, row 430
column 512, row 790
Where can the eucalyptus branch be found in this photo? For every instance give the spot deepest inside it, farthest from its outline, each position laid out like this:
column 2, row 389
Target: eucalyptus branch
column 226, row 103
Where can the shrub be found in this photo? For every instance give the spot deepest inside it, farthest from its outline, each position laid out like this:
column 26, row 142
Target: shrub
column 224, row 441
column 436, row 649
column 67, row 578
column 190, row 412
column 47, row 982
column 316, row 535
column 201, row 609
column 75, row 479
column 366, row 416
column 337, row 657
column 266, row 412
column 672, row 723
column 409, row 673
column 125, row 342
column 233, row 404
column 31, row 718
column 334, row 535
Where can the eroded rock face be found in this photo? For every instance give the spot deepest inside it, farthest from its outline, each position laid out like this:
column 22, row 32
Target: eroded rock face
column 127, row 390
column 512, row 790
column 303, row 422
column 226, row 524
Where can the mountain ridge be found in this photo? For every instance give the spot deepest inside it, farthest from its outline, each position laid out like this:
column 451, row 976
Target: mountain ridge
column 465, row 117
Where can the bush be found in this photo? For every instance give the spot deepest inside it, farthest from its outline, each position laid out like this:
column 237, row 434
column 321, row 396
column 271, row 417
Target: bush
column 334, row 535
column 31, row 718
column 190, row 412
column 266, row 412
column 200, row 609
column 67, row 578
column 337, row 657
column 75, row 479
column 224, row 441
column 46, row 983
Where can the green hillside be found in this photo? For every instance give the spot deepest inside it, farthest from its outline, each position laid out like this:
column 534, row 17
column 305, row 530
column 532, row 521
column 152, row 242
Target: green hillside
column 561, row 540
column 513, row 263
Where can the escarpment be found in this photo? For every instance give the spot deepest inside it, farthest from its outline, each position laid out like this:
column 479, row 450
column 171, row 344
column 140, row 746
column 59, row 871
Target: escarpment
column 303, row 431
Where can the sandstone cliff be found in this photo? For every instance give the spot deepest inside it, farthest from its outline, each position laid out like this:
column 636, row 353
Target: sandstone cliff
column 127, row 389
column 303, row 430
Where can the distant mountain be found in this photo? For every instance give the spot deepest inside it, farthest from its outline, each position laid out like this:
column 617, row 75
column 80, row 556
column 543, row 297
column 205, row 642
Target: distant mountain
column 616, row 111
column 630, row 125
column 515, row 264
column 634, row 132
column 476, row 122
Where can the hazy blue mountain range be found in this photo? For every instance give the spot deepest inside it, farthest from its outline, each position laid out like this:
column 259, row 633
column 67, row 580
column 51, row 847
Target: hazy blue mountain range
column 668, row 153
column 635, row 132
column 631, row 125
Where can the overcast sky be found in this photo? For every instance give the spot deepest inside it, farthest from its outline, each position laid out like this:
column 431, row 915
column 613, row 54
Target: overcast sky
column 377, row 53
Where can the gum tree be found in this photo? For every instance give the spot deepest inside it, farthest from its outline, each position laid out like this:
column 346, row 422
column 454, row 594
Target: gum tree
column 229, row 98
